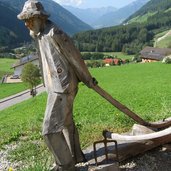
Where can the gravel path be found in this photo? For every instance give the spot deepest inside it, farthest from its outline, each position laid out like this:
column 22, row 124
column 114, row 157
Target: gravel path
column 5, row 164
column 156, row 160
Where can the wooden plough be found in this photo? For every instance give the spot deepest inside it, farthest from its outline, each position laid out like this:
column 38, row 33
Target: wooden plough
column 144, row 135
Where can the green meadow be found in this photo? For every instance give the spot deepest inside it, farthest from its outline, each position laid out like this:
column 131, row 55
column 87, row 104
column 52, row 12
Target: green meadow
column 165, row 43
column 143, row 18
column 144, row 88
column 11, row 89
column 120, row 55
column 5, row 66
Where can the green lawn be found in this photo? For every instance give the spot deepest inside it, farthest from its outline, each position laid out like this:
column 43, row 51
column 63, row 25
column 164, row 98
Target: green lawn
column 165, row 43
column 160, row 34
column 120, row 55
column 11, row 89
column 144, row 88
column 116, row 54
column 5, row 66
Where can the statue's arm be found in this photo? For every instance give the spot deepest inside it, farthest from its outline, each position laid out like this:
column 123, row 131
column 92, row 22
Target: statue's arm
column 73, row 56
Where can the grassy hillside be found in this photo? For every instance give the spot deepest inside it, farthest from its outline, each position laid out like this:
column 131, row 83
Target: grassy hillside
column 152, row 6
column 144, row 88
column 163, row 39
column 5, row 66
column 141, row 18
column 11, row 89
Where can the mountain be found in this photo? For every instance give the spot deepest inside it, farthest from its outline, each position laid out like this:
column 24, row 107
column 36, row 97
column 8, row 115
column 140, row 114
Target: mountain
column 63, row 18
column 157, row 14
column 118, row 16
column 15, row 30
column 150, row 9
column 89, row 15
column 107, row 16
column 132, row 36
column 11, row 29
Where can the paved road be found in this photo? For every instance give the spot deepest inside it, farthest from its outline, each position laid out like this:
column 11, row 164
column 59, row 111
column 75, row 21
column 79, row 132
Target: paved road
column 17, row 98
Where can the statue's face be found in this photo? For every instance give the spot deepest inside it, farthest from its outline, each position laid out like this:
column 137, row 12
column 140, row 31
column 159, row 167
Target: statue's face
column 33, row 24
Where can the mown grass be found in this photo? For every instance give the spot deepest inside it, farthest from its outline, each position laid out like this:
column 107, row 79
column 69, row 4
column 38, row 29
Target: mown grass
column 143, row 18
column 119, row 55
column 5, row 66
column 164, row 43
column 11, row 89
column 144, row 88
column 161, row 34
column 116, row 54
column 23, row 119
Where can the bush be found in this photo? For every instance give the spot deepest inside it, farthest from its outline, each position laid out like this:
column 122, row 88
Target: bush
column 31, row 76
column 95, row 63
column 92, row 56
column 167, row 60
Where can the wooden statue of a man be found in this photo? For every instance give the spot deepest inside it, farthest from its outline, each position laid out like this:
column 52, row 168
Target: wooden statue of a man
column 63, row 69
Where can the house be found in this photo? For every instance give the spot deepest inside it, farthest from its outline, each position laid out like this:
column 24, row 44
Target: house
column 151, row 54
column 18, row 67
column 110, row 61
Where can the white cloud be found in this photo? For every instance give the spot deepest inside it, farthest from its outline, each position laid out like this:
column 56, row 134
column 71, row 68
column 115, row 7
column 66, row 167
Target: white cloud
column 70, row 2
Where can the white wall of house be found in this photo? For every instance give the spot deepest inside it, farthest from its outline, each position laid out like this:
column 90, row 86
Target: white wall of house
column 18, row 70
column 148, row 60
column 36, row 62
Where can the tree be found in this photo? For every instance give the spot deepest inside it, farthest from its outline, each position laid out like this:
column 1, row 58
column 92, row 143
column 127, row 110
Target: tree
column 31, row 76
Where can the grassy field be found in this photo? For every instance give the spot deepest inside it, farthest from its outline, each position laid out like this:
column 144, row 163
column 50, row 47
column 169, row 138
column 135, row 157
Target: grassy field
column 119, row 55
column 11, row 89
column 160, row 34
column 165, row 43
column 141, row 19
column 5, row 66
column 144, row 88
column 116, row 54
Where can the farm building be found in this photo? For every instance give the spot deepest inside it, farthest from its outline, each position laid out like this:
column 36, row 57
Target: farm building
column 111, row 61
column 151, row 54
column 33, row 58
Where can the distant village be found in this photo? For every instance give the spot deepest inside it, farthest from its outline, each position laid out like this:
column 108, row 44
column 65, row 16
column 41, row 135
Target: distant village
column 148, row 54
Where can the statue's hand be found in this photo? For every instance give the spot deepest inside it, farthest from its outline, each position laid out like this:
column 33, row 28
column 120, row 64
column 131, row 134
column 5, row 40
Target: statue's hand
column 95, row 82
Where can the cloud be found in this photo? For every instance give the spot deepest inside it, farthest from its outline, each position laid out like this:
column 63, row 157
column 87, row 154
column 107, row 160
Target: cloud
column 70, row 2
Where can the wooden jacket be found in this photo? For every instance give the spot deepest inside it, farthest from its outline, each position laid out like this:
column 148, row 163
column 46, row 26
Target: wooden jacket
column 61, row 61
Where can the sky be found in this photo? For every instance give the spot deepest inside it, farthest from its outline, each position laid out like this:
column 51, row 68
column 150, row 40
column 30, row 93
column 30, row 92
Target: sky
column 94, row 3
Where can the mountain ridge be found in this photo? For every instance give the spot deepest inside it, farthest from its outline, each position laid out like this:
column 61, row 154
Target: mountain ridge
column 89, row 15
column 106, row 17
column 117, row 17
column 16, row 32
column 151, row 7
